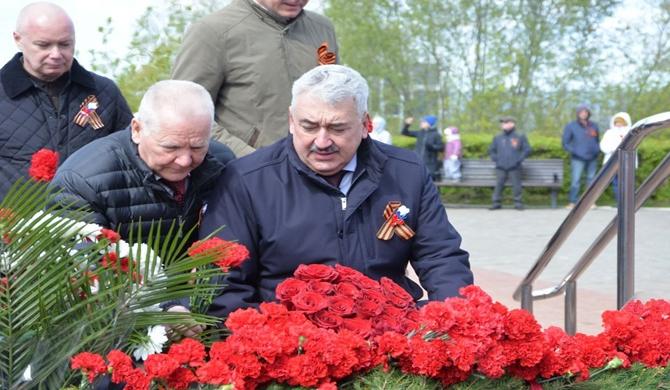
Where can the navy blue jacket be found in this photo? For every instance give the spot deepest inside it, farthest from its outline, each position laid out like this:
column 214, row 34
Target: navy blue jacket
column 581, row 142
column 29, row 121
column 508, row 150
column 287, row 215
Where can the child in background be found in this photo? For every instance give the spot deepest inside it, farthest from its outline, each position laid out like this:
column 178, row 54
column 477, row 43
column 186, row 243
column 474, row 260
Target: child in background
column 453, row 151
column 379, row 132
column 619, row 128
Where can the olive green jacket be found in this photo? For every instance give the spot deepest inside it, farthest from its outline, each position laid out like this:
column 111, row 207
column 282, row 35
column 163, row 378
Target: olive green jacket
column 248, row 58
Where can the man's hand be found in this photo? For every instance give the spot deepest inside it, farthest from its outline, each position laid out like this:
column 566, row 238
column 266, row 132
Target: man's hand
column 176, row 332
column 409, row 120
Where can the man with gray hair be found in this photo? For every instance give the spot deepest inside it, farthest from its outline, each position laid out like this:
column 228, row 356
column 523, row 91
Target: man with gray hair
column 327, row 194
column 48, row 100
column 157, row 169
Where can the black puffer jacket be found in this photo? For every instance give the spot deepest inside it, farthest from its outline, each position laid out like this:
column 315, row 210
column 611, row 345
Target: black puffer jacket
column 109, row 177
column 29, row 121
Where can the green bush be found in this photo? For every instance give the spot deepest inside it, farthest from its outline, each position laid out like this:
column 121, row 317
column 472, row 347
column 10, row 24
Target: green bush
column 650, row 154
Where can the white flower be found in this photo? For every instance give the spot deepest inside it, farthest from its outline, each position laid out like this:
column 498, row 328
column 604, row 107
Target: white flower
column 27, row 374
column 157, row 337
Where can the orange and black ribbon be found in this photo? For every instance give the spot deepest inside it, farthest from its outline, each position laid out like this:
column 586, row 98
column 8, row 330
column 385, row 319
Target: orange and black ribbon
column 325, row 57
column 394, row 223
column 88, row 115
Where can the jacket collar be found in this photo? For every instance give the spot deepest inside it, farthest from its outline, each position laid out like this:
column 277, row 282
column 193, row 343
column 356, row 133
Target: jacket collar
column 265, row 14
column 15, row 80
column 371, row 160
column 203, row 174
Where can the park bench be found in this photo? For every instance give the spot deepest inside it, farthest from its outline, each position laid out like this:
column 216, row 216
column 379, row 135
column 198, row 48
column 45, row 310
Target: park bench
column 547, row 173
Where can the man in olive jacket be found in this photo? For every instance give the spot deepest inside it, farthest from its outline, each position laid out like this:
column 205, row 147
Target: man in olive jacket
column 247, row 55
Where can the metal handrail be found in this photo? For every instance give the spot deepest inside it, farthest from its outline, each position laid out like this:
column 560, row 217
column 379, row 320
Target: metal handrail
column 622, row 161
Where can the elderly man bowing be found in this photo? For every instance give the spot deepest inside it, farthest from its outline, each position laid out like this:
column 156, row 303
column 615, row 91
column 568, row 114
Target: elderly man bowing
column 329, row 194
column 158, row 169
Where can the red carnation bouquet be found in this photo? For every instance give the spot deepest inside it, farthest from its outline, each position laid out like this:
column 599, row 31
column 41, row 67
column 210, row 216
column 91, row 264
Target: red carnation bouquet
column 333, row 322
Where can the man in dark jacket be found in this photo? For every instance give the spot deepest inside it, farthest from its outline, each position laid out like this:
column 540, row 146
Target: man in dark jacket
column 428, row 142
column 580, row 139
column 157, row 170
column 319, row 196
column 47, row 100
column 508, row 150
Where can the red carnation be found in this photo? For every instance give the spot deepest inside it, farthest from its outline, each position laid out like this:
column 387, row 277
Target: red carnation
column 188, row 351
column 137, row 380
column 121, row 365
column 215, row 372
column 109, row 234
column 90, row 364
column 43, row 165
column 181, row 379
column 160, row 365
column 226, row 254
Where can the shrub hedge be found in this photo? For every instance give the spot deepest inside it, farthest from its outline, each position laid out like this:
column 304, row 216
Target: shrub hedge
column 650, row 153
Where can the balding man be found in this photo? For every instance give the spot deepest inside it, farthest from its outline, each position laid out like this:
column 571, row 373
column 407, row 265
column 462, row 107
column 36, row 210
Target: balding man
column 48, row 100
column 157, row 170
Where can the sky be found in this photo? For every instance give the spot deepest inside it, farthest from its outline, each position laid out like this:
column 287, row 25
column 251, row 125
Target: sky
column 87, row 16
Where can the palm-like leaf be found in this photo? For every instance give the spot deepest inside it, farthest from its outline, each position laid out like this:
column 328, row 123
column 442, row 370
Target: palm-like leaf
column 51, row 305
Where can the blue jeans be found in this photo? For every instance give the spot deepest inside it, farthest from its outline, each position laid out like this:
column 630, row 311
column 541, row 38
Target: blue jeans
column 577, row 167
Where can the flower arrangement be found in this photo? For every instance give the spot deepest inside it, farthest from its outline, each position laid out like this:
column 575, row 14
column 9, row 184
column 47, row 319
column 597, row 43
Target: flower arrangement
column 311, row 338
column 68, row 286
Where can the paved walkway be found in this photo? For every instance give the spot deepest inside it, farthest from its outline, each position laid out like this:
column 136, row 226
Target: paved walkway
column 504, row 244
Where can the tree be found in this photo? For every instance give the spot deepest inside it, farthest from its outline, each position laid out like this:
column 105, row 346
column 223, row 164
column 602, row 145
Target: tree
column 153, row 47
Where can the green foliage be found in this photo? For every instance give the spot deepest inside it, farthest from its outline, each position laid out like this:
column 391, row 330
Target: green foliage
column 470, row 61
column 58, row 299
column 154, row 45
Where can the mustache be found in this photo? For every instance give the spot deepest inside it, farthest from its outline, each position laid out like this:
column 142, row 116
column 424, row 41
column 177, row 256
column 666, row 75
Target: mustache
column 331, row 149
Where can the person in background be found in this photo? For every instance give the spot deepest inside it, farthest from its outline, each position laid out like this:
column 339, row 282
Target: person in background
column 159, row 170
column 336, row 198
column 247, row 55
column 453, row 151
column 580, row 140
column 379, row 132
column 48, row 100
column 619, row 128
column 508, row 150
column 428, row 142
